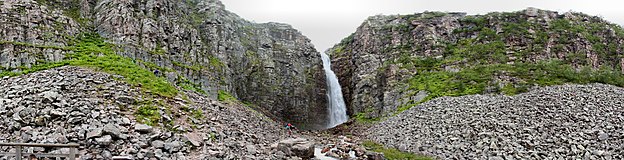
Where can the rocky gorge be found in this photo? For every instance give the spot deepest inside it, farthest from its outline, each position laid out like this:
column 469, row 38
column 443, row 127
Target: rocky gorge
column 168, row 79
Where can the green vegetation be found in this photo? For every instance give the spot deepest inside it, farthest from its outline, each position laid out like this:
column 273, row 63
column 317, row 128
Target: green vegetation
column 224, row 96
column 475, row 79
column 148, row 114
column 91, row 51
column 72, row 11
column 152, row 66
column 215, row 62
column 158, row 51
column 198, row 114
column 188, row 85
column 392, row 153
column 363, row 118
column 485, row 55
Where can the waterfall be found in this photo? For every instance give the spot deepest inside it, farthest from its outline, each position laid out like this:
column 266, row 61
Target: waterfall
column 336, row 105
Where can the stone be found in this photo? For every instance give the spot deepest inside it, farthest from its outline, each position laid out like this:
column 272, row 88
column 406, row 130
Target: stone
column 194, row 138
column 603, row 136
column 125, row 121
column 104, row 140
column 158, row 153
column 143, row 128
column 40, row 121
column 94, row 133
column 60, row 138
column 107, row 154
column 251, row 149
column 297, row 147
column 173, row 146
column 112, row 130
column 158, row 144
column 125, row 100
column 374, row 156
column 57, row 113
column 51, row 96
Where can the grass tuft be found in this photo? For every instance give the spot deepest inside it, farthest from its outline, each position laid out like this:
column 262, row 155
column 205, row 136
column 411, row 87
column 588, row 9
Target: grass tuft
column 224, row 96
column 392, row 153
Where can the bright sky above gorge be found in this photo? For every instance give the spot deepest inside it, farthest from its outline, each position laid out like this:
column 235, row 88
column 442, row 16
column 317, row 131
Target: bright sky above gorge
column 326, row 22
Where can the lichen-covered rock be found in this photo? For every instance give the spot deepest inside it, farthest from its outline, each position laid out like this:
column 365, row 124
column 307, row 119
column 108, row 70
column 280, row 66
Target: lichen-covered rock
column 378, row 66
column 270, row 65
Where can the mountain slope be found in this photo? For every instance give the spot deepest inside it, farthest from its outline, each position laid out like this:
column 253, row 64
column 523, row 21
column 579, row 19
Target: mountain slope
column 107, row 117
column 555, row 122
column 197, row 44
column 392, row 63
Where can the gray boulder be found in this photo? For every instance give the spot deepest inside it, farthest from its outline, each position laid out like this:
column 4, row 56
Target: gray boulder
column 297, row 147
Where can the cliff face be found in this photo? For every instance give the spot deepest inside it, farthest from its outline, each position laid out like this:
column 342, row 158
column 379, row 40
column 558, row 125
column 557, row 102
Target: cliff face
column 198, row 43
column 394, row 62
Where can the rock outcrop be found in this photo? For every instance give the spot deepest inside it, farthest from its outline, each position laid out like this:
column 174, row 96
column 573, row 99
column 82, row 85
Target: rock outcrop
column 271, row 65
column 394, row 62
column 581, row 121
column 108, row 117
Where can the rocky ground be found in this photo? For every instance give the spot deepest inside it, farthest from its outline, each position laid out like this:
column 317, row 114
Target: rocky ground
column 97, row 111
column 568, row 121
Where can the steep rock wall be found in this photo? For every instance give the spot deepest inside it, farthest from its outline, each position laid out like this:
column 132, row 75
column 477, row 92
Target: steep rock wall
column 383, row 64
column 271, row 65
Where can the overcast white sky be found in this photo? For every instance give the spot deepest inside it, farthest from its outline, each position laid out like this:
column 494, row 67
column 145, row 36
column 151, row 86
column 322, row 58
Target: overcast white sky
column 326, row 22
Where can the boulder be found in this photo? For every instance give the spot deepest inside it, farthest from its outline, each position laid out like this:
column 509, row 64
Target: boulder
column 158, row 144
column 143, row 128
column 297, row 147
column 104, row 140
column 94, row 133
column 194, row 138
column 112, row 130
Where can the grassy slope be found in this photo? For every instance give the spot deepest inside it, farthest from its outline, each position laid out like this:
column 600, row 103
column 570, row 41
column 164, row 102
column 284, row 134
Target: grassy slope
column 90, row 50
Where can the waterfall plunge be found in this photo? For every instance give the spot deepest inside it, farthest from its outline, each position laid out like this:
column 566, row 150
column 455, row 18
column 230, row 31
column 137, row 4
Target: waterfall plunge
column 336, row 105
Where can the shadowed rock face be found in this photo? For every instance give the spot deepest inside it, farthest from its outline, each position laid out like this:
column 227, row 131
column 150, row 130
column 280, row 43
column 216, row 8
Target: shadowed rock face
column 270, row 65
column 375, row 63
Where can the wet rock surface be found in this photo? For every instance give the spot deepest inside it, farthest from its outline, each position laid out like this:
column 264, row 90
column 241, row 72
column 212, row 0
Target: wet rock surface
column 567, row 121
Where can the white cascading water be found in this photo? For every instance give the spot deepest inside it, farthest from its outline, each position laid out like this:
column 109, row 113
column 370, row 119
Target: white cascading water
column 336, row 105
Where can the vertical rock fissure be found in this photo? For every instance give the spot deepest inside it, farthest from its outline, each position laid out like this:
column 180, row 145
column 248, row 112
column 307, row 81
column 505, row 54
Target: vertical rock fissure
column 335, row 103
